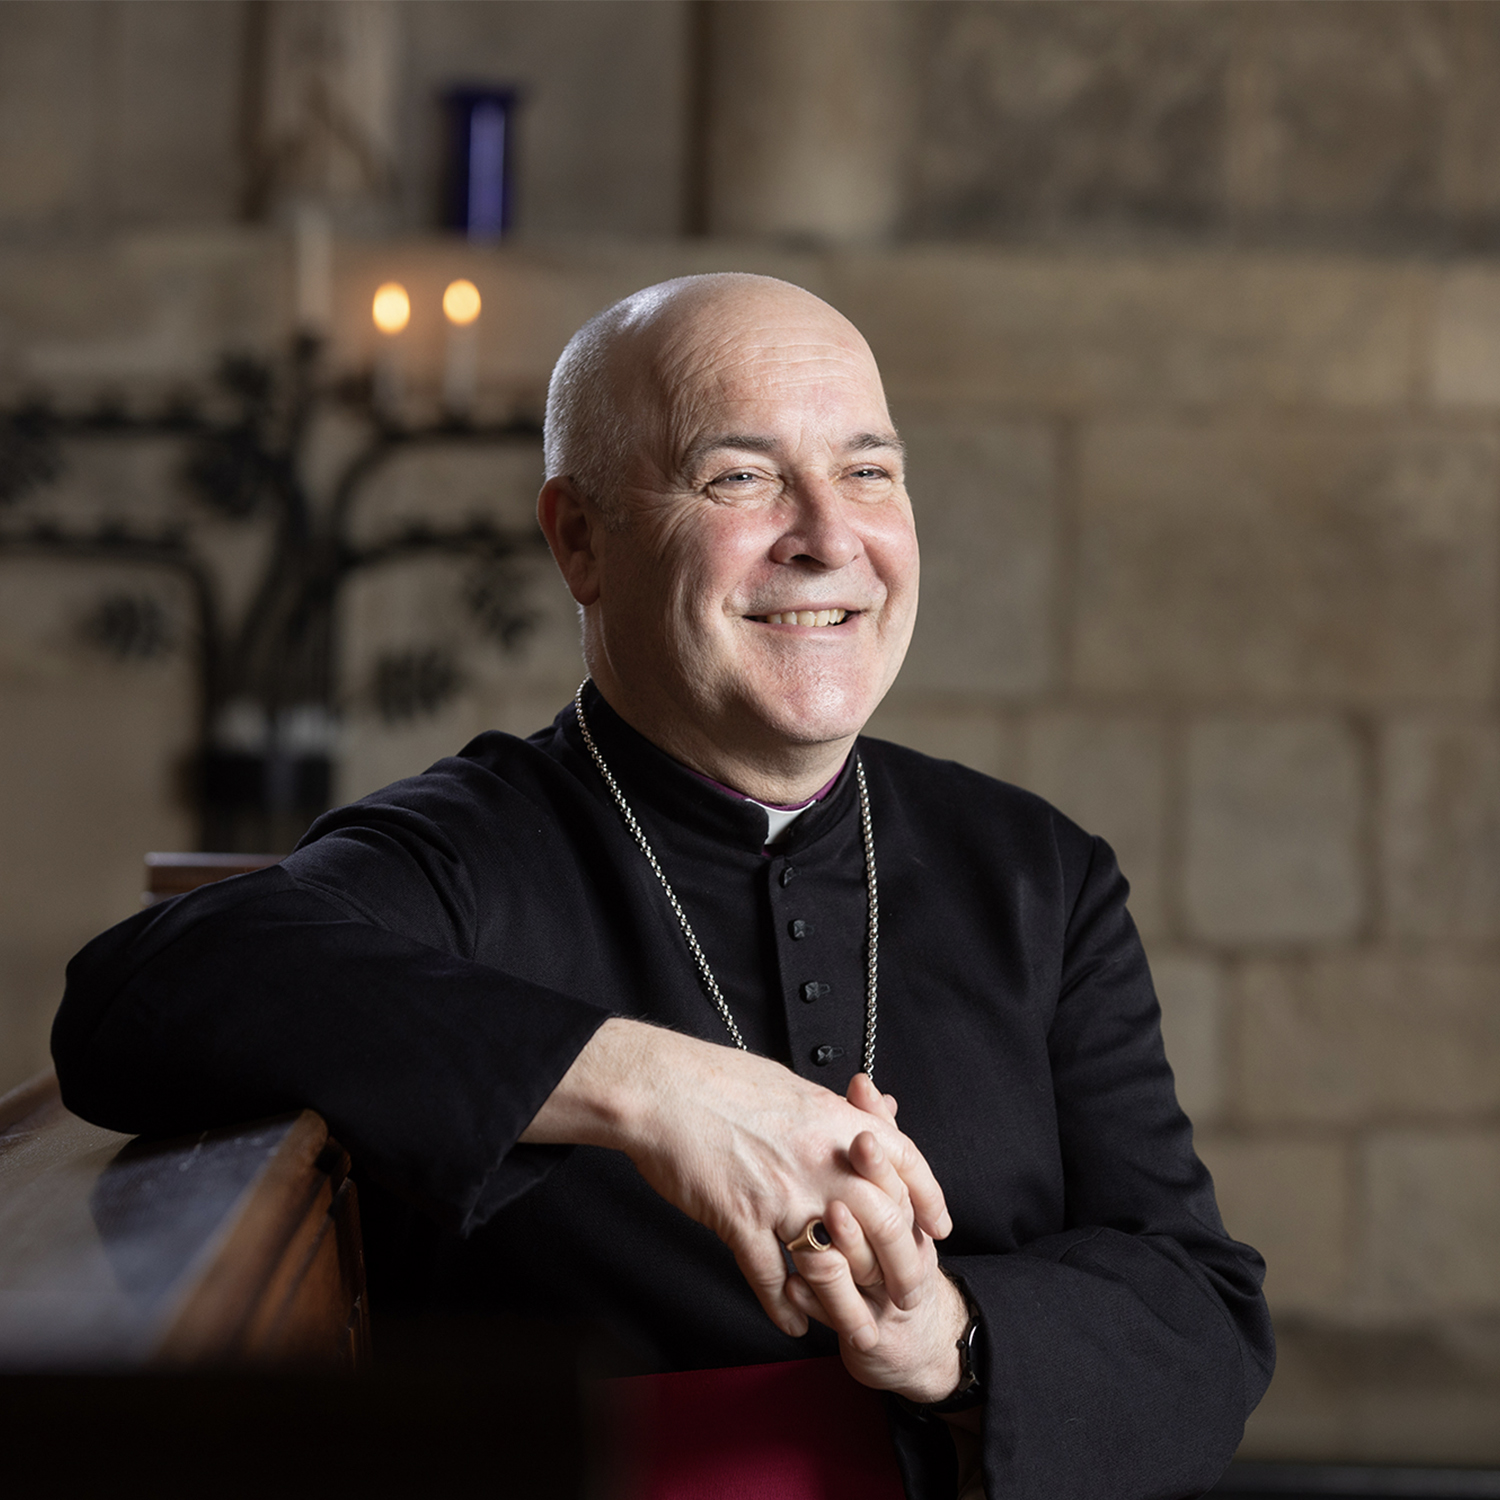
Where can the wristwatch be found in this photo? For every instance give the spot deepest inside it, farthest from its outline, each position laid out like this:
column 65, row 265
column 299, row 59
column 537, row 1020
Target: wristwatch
column 968, row 1392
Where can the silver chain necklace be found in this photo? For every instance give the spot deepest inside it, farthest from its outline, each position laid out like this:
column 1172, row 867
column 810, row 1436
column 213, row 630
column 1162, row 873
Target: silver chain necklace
column 694, row 947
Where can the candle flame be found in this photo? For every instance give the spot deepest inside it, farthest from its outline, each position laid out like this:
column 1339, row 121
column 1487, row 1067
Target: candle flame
column 392, row 308
column 461, row 302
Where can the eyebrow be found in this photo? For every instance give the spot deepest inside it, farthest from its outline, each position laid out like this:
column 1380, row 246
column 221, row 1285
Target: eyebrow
column 747, row 442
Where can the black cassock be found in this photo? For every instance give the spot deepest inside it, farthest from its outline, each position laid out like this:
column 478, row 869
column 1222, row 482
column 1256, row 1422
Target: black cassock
column 426, row 966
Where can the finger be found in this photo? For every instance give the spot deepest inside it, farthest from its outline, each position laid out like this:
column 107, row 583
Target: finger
column 826, row 1275
column 927, row 1202
column 863, row 1094
column 875, row 1165
column 926, row 1196
column 849, row 1240
column 805, row 1300
column 899, row 1246
column 761, row 1264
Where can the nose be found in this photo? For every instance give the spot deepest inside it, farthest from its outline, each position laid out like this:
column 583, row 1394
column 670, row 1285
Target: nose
column 818, row 530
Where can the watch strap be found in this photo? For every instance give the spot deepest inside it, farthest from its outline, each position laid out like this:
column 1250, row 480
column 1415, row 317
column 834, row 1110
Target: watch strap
column 968, row 1392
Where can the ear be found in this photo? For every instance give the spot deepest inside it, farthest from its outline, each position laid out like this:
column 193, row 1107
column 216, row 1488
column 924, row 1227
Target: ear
column 572, row 527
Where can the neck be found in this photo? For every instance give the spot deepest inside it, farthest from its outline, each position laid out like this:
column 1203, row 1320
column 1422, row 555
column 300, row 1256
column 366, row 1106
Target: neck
column 777, row 785
column 783, row 775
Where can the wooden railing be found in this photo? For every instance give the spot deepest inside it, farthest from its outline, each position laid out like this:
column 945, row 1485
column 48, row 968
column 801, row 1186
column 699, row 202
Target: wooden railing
column 230, row 1247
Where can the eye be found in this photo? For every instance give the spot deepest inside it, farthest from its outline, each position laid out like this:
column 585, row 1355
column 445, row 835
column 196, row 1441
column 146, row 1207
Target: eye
column 736, row 484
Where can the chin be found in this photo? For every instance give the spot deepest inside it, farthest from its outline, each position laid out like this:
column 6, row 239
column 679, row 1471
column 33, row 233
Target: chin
column 816, row 713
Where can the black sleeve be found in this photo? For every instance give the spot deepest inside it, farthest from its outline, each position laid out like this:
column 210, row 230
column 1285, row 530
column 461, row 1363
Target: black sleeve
column 274, row 991
column 1122, row 1355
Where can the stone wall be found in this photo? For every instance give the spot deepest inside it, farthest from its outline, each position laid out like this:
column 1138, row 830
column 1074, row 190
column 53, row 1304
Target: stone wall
column 1312, row 121
column 1322, row 123
column 126, row 116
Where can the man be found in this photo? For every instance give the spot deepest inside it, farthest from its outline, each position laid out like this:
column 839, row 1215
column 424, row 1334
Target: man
column 606, row 999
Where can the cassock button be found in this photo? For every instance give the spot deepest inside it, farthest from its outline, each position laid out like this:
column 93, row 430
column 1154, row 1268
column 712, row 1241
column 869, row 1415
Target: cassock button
column 825, row 1054
column 788, row 875
column 812, row 990
column 800, row 929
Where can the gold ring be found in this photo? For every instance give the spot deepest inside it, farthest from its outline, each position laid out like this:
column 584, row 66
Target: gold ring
column 814, row 1237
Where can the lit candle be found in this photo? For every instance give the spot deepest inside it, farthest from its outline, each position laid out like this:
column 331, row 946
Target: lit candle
column 391, row 312
column 461, row 306
column 312, row 241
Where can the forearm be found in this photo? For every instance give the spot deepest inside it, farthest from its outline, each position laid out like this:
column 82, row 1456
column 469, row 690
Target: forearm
column 242, row 1002
column 610, row 1094
column 710, row 1115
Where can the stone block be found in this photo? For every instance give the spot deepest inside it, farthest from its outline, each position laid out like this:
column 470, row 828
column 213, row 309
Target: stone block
column 976, row 737
column 1291, row 1200
column 139, row 315
column 1358, row 1037
column 31, row 985
column 1471, row 156
column 1039, row 115
column 117, row 117
column 1288, row 559
column 1125, row 331
column 89, row 766
column 1440, row 829
column 1191, row 992
column 985, row 507
column 1353, row 105
column 1466, row 338
column 47, row 121
column 1108, row 773
column 1272, row 831
column 1431, row 1222
column 1406, row 1395
column 170, row 141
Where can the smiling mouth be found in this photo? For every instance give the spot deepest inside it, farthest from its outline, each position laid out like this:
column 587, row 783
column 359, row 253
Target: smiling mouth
column 805, row 617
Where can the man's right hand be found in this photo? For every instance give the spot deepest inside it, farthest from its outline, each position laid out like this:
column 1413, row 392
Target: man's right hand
column 744, row 1146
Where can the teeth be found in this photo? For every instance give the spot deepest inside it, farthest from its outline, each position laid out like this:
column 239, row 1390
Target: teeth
column 809, row 617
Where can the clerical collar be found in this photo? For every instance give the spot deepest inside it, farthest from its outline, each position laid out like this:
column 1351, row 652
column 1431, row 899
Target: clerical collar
column 654, row 778
column 779, row 815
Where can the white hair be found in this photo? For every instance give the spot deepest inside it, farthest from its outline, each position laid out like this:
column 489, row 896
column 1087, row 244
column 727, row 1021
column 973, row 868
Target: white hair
column 585, row 430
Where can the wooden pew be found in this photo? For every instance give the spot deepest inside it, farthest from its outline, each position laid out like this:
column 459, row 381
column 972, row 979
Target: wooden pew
column 183, row 1318
column 236, row 1246
column 172, row 874
column 229, row 1247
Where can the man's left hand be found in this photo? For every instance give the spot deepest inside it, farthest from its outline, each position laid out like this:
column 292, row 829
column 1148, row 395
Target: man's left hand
column 913, row 1353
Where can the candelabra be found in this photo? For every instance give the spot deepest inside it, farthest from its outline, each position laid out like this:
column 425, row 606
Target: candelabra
column 269, row 697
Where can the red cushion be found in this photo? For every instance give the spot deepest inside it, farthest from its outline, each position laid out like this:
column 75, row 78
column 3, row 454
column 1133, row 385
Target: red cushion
column 806, row 1430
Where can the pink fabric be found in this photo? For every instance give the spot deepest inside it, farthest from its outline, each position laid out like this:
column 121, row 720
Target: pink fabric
column 806, row 1430
column 719, row 786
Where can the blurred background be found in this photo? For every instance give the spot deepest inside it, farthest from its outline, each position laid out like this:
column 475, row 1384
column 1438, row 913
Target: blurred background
column 1190, row 313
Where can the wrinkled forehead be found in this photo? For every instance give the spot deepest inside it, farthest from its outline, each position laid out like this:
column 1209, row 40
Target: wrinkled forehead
column 776, row 358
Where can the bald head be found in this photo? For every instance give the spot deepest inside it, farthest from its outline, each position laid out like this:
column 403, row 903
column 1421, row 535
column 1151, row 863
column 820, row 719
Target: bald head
column 629, row 379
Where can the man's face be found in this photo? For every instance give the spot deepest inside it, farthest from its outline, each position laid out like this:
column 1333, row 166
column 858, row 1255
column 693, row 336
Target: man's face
column 759, row 586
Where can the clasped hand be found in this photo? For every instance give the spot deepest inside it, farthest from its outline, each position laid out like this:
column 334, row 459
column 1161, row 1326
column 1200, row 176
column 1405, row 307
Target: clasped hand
column 894, row 1334
column 747, row 1148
